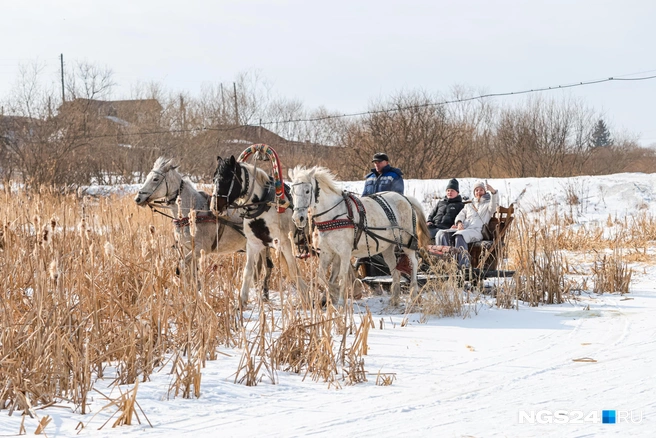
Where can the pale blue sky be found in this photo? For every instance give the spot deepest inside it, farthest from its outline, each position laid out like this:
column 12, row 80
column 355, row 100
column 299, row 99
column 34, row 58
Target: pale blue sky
column 344, row 54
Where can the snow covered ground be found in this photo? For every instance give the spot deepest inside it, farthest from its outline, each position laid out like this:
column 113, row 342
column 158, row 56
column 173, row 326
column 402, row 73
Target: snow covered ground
column 480, row 376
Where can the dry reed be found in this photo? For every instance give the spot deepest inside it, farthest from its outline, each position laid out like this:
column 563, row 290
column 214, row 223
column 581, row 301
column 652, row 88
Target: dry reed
column 611, row 273
column 89, row 283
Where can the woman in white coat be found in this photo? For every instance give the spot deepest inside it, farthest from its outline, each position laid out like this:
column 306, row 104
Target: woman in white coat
column 470, row 221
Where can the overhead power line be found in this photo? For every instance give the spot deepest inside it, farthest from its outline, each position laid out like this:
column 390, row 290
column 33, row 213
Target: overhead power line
column 467, row 99
column 391, row 110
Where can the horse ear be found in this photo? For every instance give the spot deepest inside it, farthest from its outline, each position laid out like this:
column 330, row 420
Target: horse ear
column 233, row 162
column 166, row 165
column 311, row 174
column 218, row 158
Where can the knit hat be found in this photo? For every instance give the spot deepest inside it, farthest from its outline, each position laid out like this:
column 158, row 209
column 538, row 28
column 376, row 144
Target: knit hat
column 453, row 184
column 477, row 184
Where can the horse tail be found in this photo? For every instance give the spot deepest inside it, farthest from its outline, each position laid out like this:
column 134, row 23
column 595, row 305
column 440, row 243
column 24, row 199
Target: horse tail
column 423, row 235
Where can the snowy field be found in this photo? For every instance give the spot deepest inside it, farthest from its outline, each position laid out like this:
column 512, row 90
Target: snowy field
column 533, row 372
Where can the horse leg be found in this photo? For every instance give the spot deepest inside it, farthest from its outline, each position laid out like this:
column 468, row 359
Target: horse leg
column 325, row 260
column 265, row 257
column 263, row 271
column 390, row 260
column 247, row 277
column 288, row 254
column 354, row 283
column 414, row 264
column 344, row 284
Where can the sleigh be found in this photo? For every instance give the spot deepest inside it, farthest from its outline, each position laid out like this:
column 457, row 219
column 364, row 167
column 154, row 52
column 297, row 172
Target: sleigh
column 485, row 256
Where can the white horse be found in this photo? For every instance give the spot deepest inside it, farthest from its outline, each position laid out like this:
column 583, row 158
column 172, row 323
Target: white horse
column 166, row 188
column 249, row 190
column 387, row 223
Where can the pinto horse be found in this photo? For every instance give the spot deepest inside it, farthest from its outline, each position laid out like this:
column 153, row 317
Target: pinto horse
column 243, row 187
column 386, row 223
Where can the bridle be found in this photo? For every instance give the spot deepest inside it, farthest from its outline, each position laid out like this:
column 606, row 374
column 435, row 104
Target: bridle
column 166, row 201
column 315, row 194
column 245, row 185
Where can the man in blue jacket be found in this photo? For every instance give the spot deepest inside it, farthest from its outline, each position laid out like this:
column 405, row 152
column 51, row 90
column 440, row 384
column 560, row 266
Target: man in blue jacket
column 383, row 177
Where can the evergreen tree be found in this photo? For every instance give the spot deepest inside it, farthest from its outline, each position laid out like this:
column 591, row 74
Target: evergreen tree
column 601, row 135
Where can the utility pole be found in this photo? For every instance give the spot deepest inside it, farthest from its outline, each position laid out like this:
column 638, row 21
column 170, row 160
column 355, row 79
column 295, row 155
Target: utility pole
column 61, row 57
column 223, row 109
column 234, row 87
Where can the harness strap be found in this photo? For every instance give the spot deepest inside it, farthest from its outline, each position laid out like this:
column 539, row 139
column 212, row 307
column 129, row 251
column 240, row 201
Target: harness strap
column 157, row 211
column 260, row 207
column 361, row 225
column 184, row 222
column 245, row 184
column 335, row 224
column 391, row 217
column 172, row 200
column 386, row 208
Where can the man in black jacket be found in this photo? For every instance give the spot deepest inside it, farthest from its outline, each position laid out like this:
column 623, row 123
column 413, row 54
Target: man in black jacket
column 444, row 214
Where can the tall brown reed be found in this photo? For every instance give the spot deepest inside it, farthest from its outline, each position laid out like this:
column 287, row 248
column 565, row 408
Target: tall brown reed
column 611, row 273
column 539, row 264
column 89, row 284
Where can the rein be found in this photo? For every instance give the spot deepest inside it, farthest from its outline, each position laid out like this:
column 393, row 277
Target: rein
column 209, row 218
column 154, row 209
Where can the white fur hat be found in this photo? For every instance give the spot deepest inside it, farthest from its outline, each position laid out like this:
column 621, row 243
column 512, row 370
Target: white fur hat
column 480, row 184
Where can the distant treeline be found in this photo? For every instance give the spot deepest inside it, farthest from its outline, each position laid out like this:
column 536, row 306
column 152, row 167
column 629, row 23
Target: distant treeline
column 91, row 138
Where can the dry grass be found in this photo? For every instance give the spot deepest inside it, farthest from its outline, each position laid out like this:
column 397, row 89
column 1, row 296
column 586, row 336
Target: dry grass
column 90, row 283
column 540, row 247
column 305, row 340
column 89, row 291
column 539, row 265
column 611, row 273
column 443, row 295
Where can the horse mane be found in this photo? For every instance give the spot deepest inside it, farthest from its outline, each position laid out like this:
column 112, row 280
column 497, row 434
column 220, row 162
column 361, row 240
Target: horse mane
column 323, row 175
column 163, row 164
column 260, row 175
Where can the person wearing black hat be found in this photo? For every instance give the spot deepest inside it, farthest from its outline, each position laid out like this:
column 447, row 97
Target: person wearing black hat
column 383, row 177
column 443, row 216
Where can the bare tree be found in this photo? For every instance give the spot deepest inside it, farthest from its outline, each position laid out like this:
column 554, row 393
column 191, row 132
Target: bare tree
column 425, row 139
column 543, row 138
column 89, row 81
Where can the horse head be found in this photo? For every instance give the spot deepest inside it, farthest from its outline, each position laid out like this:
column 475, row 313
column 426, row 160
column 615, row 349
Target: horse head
column 228, row 184
column 158, row 184
column 304, row 194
